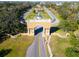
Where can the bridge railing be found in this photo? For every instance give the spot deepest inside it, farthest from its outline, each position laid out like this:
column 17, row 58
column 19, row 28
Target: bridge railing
column 42, row 20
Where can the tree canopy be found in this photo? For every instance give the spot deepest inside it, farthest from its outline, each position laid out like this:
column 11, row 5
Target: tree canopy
column 10, row 13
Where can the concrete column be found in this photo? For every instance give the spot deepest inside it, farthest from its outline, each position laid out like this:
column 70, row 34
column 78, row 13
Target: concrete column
column 48, row 31
column 45, row 31
column 28, row 30
column 33, row 31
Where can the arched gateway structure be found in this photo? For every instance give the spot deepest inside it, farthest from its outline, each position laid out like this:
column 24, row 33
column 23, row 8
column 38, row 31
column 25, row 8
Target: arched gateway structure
column 31, row 24
column 38, row 47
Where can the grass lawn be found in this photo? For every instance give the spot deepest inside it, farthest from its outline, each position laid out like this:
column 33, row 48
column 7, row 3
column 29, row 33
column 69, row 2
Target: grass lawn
column 45, row 15
column 31, row 15
column 18, row 46
column 60, row 31
column 58, row 46
column 56, row 14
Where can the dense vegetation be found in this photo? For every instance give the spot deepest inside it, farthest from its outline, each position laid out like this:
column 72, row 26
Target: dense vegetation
column 73, row 51
column 11, row 17
column 69, row 12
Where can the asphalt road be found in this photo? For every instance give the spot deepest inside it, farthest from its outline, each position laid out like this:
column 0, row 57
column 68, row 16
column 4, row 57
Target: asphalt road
column 37, row 49
column 54, row 21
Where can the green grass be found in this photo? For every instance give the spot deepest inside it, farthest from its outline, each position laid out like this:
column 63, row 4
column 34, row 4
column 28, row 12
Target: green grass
column 58, row 46
column 72, row 52
column 31, row 15
column 59, row 17
column 56, row 14
column 18, row 45
column 45, row 15
column 59, row 31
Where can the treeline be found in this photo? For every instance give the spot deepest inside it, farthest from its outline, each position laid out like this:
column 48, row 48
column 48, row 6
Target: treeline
column 69, row 11
column 11, row 17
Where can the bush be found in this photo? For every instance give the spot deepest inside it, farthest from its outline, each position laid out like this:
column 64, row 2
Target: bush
column 67, row 25
column 72, row 52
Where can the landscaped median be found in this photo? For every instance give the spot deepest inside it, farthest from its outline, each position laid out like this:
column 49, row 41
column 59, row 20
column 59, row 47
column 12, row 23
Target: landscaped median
column 32, row 15
column 29, row 15
column 45, row 15
column 15, row 47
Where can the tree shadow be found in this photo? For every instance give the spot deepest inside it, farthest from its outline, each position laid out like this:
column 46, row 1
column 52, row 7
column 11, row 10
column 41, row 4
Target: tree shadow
column 3, row 38
column 53, row 29
column 4, row 52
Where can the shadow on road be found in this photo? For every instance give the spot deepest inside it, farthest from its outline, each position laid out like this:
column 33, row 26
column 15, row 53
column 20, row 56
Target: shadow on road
column 53, row 29
column 4, row 52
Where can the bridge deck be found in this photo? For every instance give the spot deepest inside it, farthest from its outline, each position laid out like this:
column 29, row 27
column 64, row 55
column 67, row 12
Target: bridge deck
column 32, row 25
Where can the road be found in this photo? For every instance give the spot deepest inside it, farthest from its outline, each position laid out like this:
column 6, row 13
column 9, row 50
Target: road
column 55, row 21
column 37, row 49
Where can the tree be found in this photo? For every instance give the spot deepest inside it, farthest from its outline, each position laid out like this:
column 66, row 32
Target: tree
column 67, row 26
column 73, row 51
column 9, row 17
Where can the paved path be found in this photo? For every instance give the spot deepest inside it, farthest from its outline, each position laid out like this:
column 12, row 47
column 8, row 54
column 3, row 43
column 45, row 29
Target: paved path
column 37, row 49
column 61, row 36
column 48, row 46
column 55, row 21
